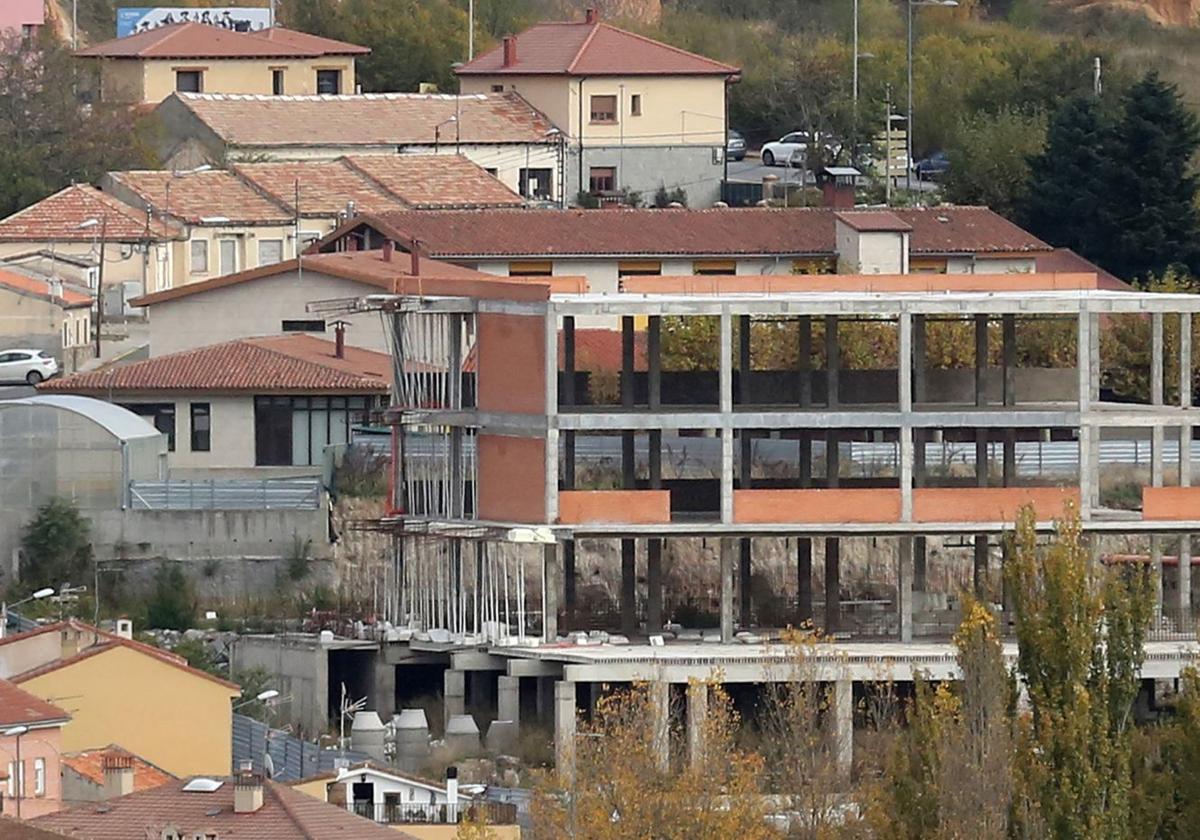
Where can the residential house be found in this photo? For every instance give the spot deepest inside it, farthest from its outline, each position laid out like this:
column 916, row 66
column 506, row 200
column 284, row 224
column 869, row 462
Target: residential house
column 276, row 401
column 24, row 17
column 66, row 232
column 29, row 756
column 424, row 808
column 45, row 315
column 500, row 132
column 274, row 299
column 638, row 114
column 149, row 66
column 105, row 773
column 117, row 690
column 245, row 805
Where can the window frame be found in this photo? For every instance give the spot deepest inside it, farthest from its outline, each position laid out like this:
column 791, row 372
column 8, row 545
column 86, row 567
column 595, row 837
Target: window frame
column 611, row 177
column 635, row 104
column 203, row 243
column 541, row 174
column 39, row 777
column 189, row 72
column 277, row 242
column 608, row 115
column 200, row 410
column 303, row 325
column 324, row 72
column 222, row 243
column 278, row 81
column 152, row 412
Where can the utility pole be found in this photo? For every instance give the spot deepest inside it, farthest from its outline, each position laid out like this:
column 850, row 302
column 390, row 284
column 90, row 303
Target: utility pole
column 887, row 146
column 470, row 29
column 1097, row 82
column 100, row 282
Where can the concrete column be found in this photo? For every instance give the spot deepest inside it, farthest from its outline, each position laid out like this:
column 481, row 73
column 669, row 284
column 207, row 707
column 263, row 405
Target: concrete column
column 1084, row 361
column 660, row 734
column 1008, row 352
column 726, row 589
column 833, row 546
column 654, row 586
column 568, row 379
column 833, row 360
column 1185, row 582
column 454, row 693
column 981, row 359
column 842, row 703
column 1185, row 397
column 904, row 366
column 1156, row 451
column 384, row 693
column 1156, row 358
column 654, row 362
column 508, row 698
column 745, row 570
column 906, row 473
column 804, row 587
column 1086, row 477
column 628, row 587
column 980, row 571
column 570, row 601
column 550, row 592
column 725, row 373
column 697, row 716
column 744, row 390
column 920, row 381
column 1006, row 594
column 727, row 475
column 550, row 379
column 904, row 604
column 1009, row 472
column 564, row 730
column 805, row 361
column 627, row 361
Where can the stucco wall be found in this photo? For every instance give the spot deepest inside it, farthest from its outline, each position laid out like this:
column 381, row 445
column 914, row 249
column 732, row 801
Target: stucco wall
column 299, row 669
column 231, row 435
column 44, row 744
column 694, row 168
column 1017, row 264
column 248, row 239
column 154, row 80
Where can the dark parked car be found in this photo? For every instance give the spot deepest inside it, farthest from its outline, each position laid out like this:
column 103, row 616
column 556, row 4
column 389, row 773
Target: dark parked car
column 933, row 167
column 736, row 149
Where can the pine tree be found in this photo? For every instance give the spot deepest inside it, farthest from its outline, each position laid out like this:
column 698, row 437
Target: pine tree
column 1148, row 214
column 1066, row 181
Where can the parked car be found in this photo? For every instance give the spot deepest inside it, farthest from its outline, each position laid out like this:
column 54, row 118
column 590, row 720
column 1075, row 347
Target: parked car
column 933, row 167
column 735, row 149
column 28, row 366
column 792, row 149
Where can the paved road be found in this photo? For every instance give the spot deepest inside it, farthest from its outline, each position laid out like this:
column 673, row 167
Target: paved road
column 16, row 392
column 752, row 170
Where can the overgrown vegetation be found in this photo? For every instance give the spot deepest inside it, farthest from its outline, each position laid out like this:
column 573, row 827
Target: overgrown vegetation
column 171, row 604
column 56, row 546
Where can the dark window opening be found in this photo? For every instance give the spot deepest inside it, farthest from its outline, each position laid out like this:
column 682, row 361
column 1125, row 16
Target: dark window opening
column 635, row 105
column 497, row 88
column 201, row 427
column 161, row 415
column 603, row 179
column 304, row 326
column 535, row 183
column 329, row 81
column 277, row 82
column 294, row 431
column 189, row 81
column 604, row 109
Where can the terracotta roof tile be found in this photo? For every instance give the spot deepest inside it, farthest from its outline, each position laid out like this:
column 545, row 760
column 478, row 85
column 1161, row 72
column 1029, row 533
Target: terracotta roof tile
column 1066, row 261
column 467, row 234
column 866, row 221
column 287, row 363
column 57, row 218
column 213, row 194
column 90, row 765
column 25, row 284
column 435, row 181
column 325, row 186
column 13, row 829
column 593, row 49
column 600, row 350
column 369, row 119
column 285, row 814
column 19, row 707
column 200, row 40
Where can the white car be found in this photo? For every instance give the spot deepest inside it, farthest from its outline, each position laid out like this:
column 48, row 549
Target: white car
column 28, row 366
column 788, row 149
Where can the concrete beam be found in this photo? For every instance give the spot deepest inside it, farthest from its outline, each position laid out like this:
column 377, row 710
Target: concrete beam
column 534, row 668
column 564, row 731
column 866, row 417
column 726, row 590
column 476, row 660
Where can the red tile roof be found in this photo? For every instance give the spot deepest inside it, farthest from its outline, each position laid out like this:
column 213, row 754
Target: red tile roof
column 14, row 829
column 325, row 186
column 58, row 217
column 90, row 765
column 600, row 350
column 369, row 119
column 26, row 285
column 286, row 363
column 200, row 40
column 592, row 49
column 285, row 814
column 867, row 221
column 199, row 195
column 20, row 708
column 1066, row 261
column 469, row 234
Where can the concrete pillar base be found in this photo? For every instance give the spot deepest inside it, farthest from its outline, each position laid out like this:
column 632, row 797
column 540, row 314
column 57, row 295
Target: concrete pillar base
column 508, row 699
column 660, row 734
column 842, row 704
column 697, row 718
column 564, row 730
column 454, row 694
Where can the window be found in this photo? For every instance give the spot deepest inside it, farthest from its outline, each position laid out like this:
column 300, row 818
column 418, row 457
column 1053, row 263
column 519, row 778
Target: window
column 635, row 105
column 531, row 268
column 277, row 82
column 81, row 331
column 639, row 268
column 604, row 109
column 39, row 777
column 66, row 336
column 270, row 251
column 329, row 81
column 12, row 772
column 603, row 179
column 228, row 255
column 161, row 415
column 294, row 431
column 201, row 426
column 199, row 262
column 535, row 183
column 491, row 170
column 189, row 81
column 303, row 326
column 714, row 267
column 497, row 88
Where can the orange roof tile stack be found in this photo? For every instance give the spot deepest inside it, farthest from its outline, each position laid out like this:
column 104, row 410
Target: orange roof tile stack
column 90, row 765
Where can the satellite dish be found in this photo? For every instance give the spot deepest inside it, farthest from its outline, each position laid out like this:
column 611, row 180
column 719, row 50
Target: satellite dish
column 268, row 766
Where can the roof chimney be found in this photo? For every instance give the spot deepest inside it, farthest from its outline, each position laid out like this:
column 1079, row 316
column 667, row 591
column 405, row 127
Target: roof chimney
column 590, row 15
column 247, row 790
column 388, row 247
column 452, row 786
column 415, row 252
column 118, row 775
column 510, row 50
column 339, row 339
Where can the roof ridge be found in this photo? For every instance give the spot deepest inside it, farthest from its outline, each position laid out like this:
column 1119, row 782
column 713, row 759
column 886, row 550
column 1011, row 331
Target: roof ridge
column 310, row 362
column 665, row 45
column 378, row 184
column 583, row 47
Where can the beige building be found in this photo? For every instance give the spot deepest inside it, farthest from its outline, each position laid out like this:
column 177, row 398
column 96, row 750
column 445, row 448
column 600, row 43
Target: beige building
column 638, row 114
column 37, row 315
column 195, row 57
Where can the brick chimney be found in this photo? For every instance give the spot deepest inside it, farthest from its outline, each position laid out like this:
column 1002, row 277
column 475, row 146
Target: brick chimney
column 247, row 790
column 510, row 50
column 118, row 775
column 339, row 339
column 590, row 15
column 415, row 253
column 388, row 247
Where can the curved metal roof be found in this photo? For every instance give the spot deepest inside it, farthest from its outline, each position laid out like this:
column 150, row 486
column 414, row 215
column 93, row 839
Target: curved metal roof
column 121, row 423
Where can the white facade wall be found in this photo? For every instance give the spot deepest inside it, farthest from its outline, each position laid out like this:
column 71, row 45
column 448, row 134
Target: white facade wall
column 970, row 264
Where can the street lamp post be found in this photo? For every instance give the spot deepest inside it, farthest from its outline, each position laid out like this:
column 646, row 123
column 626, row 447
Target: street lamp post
column 19, row 781
column 36, row 596
column 908, row 117
column 437, row 131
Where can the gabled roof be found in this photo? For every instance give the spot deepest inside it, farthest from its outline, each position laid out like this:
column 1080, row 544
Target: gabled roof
column 592, row 49
column 57, row 218
column 285, row 814
column 368, row 119
column 20, row 708
column 59, row 295
column 1066, row 261
column 530, row 233
column 283, row 363
column 201, row 40
column 873, row 221
column 90, row 765
column 216, row 194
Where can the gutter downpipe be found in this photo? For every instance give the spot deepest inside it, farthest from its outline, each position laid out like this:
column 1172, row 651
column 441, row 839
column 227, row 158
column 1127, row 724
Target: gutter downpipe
column 582, row 79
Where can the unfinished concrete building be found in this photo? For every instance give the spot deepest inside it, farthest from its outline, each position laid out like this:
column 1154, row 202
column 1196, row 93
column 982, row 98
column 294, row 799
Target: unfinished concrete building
column 491, row 508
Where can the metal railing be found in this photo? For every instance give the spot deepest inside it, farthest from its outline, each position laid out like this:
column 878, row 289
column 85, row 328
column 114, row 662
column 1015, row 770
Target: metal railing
column 227, row 494
column 418, row 813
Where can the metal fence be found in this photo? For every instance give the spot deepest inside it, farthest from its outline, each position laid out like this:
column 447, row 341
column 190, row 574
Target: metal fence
column 416, row 813
column 227, row 494
column 290, row 758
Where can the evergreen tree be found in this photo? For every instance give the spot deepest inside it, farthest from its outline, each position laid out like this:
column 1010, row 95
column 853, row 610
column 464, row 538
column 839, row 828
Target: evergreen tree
column 1066, row 181
column 1149, row 211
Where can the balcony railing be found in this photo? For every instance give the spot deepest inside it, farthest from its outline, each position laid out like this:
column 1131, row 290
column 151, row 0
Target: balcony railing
column 418, row 813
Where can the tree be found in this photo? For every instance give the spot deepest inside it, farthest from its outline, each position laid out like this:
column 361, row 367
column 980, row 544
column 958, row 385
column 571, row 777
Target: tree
column 1080, row 633
column 989, row 159
column 1066, row 181
column 172, row 605
column 48, row 138
column 1149, row 218
column 56, row 547
column 1166, row 769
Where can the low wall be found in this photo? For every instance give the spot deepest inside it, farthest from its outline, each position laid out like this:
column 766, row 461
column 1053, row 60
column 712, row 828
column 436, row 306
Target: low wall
column 1170, row 502
column 832, row 505
column 637, row 507
column 989, row 504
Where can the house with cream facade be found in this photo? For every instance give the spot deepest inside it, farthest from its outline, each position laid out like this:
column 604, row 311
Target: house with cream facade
column 637, row 114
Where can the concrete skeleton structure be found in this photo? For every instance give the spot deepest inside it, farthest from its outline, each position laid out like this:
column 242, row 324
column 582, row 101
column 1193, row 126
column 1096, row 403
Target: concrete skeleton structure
column 507, row 472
